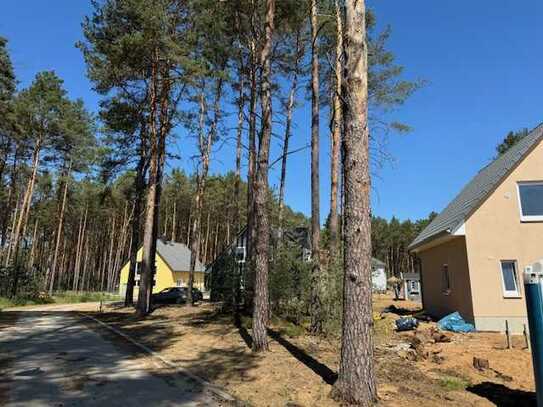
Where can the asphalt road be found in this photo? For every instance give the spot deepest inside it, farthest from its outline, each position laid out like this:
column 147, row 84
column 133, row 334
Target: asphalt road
column 55, row 358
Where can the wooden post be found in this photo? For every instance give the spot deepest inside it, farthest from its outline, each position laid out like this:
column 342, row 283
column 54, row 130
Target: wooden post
column 526, row 339
column 508, row 335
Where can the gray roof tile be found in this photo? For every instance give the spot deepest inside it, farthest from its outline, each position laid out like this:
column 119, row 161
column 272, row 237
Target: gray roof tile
column 177, row 255
column 478, row 189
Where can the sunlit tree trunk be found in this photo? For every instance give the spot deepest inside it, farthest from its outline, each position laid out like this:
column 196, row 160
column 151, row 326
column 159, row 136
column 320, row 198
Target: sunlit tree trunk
column 241, row 107
column 139, row 191
column 174, row 220
column 205, row 144
column 159, row 128
column 315, row 300
column 59, row 232
column 251, row 170
column 356, row 382
column 262, row 236
column 288, row 124
column 17, row 233
column 336, row 135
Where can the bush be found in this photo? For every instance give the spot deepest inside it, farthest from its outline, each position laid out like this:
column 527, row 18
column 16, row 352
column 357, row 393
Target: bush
column 289, row 283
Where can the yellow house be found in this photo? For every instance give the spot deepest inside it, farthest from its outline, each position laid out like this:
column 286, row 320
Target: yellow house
column 474, row 252
column 172, row 268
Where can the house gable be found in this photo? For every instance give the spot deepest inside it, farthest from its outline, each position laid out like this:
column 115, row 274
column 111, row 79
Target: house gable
column 452, row 219
column 495, row 234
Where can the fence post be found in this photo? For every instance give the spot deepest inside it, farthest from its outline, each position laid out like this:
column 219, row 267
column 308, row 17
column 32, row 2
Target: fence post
column 533, row 288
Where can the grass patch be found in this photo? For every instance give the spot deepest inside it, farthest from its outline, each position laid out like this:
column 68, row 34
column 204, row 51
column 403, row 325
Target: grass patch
column 71, row 297
column 451, row 383
column 287, row 328
column 22, row 300
column 65, row 297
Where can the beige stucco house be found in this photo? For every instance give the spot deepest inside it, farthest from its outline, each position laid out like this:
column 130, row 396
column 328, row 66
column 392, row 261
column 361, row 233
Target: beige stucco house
column 472, row 254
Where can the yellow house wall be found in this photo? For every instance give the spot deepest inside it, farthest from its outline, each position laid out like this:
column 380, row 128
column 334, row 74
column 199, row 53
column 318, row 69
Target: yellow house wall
column 494, row 232
column 164, row 276
column 436, row 302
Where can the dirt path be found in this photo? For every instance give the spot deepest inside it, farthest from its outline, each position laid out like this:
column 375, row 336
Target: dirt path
column 52, row 357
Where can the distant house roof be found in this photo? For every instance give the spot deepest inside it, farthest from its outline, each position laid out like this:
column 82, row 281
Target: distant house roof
column 176, row 255
column 476, row 191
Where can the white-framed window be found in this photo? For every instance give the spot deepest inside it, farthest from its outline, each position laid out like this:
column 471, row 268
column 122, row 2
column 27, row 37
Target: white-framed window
column 530, row 195
column 510, row 279
column 445, row 280
column 240, row 254
column 179, row 283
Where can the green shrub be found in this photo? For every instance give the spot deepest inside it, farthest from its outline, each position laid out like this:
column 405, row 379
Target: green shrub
column 451, row 383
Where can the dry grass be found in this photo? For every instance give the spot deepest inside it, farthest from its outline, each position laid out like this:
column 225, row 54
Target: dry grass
column 300, row 369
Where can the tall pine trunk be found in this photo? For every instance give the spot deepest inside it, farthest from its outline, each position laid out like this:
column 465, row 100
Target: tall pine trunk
column 241, row 107
column 59, row 232
column 262, row 236
column 336, row 135
column 206, row 142
column 315, row 300
column 151, row 205
column 356, row 382
column 288, row 124
column 139, row 191
column 20, row 225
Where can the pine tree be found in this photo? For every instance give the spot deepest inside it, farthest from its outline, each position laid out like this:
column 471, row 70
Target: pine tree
column 356, row 381
column 316, row 302
column 133, row 47
column 262, row 236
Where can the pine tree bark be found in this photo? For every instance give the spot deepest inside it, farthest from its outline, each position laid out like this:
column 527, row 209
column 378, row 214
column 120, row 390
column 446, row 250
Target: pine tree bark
column 174, row 220
column 356, row 381
column 151, row 207
column 59, row 231
column 262, row 237
column 139, row 191
column 110, row 264
column 251, row 170
column 79, row 250
column 10, row 201
column 159, row 128
column 33, row 246
column 239, row 134
column 288, row 124
column 315, row 292
column 18, row 232
column 205, row 144
column 336, row 135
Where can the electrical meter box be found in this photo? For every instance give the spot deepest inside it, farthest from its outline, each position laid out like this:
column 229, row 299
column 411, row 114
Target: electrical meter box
column 533, row 274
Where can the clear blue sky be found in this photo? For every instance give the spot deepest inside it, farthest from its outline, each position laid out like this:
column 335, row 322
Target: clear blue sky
column 483, row 61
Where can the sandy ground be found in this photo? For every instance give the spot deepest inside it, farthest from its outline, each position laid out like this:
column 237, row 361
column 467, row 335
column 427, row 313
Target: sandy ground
column 412, row 369
column 49, row 357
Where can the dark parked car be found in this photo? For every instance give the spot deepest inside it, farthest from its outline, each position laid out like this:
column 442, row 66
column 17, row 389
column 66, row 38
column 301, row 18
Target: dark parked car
column 196, row 294
column 170, row 295
column 176, row 295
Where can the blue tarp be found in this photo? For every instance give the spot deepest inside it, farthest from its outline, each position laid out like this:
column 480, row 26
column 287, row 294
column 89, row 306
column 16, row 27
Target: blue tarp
column 455, row 323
